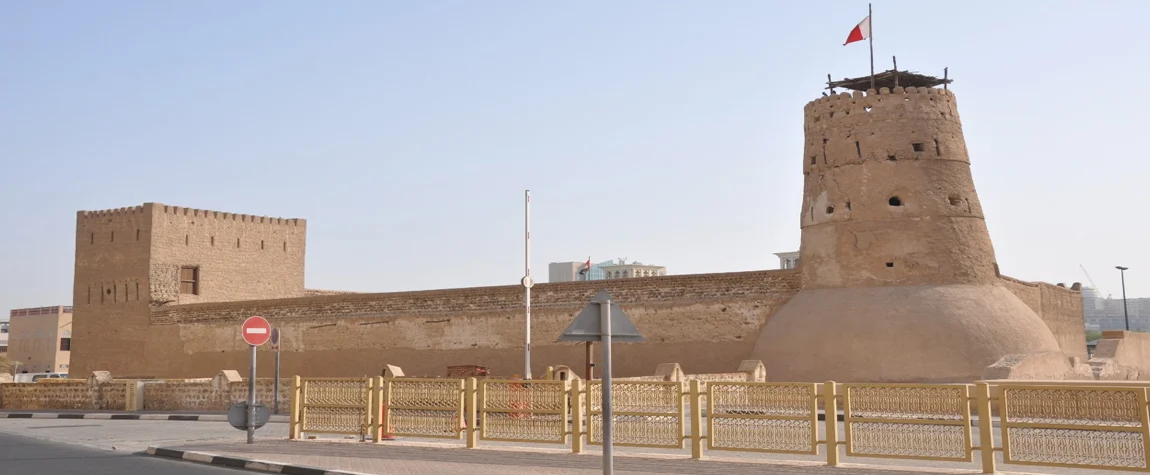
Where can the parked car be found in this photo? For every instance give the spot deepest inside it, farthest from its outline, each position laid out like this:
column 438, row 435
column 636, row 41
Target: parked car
column 35, row 377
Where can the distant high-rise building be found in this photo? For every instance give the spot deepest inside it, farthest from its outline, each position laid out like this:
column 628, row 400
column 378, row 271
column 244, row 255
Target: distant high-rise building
column 612, row 269
column 1107, row 313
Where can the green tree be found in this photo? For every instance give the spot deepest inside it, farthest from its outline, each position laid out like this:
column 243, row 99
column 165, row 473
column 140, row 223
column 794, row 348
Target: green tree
column 1093, row 335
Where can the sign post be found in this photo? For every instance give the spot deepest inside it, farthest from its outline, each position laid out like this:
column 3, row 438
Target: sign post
column 276, row 385
column 603, row 320
column 256, row 331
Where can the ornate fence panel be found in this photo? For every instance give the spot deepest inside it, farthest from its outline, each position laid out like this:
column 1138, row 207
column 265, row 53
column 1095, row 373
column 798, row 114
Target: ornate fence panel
column 523, row 411
column 423, row 407
column 647, row 413
column 1080, row 427
column 335, row 405
column 763, row 417
column 909, row 421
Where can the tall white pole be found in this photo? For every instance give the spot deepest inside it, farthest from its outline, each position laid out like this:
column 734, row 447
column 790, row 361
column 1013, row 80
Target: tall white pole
column 527, row 282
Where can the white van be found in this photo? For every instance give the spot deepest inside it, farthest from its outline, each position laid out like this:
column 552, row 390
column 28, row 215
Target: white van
column 35, row 377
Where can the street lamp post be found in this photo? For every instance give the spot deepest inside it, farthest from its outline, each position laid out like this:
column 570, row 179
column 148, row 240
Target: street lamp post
column 1125, row 310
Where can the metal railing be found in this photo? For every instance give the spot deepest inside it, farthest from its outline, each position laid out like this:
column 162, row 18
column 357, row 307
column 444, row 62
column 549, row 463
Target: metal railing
column 1055, row 424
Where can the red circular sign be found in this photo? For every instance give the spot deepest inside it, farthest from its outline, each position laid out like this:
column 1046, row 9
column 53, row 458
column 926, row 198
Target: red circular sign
column 256, row 330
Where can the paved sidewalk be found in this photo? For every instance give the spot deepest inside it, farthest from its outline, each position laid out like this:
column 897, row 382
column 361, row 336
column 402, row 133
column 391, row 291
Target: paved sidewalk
column 415, row 458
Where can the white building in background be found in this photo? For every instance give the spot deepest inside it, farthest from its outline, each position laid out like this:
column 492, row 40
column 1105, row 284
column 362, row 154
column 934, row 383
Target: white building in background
column 613, row 269
column 622, row 270
column 788, row 260
column 1106, row 313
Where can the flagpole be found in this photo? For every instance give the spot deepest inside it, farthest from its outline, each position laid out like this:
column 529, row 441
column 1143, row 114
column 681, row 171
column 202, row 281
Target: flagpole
column 527, row 282
column 870, row 19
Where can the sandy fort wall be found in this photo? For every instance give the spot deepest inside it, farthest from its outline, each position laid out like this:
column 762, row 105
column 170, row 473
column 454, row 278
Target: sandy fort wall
column 110, row 290
column 237, row 256
column 713, row 317
column 130, row 259
column 1059, row 307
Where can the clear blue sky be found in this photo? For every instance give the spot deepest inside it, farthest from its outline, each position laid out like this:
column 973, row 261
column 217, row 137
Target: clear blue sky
column 668, row 132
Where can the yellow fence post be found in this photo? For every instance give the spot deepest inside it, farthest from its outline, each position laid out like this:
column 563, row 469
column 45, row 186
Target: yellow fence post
column 371, row 423
column 831, row 417
column 294, row 426
column 470, row 411
column 376, row 409
column 985, row 428
column 576, row 398
column 696, row 420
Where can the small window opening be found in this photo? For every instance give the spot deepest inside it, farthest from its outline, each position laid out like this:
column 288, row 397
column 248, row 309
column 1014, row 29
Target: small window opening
column 190, row 280
column 285, row 246
column 186, row 240
column 890, row 264
column 92, row 238
column 113, row 237
column 261, row 244
column 814, row 159
column 937, row 148
column 137, row 234
column 858, row 149
column 848, row 205
column 830, row 210
column 917, row 146
column 89, row 294
column 894, row 201
column 891, row 158
column 954, row 200
column 237, row 243
column 213, row 241
column 137, row 291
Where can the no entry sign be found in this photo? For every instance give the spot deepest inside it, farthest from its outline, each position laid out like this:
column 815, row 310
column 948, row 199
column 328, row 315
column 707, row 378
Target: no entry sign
column 256, row 330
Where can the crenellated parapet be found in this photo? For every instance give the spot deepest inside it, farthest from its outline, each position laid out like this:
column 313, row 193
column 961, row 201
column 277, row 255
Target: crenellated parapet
column 246, row 218
column 922, row 102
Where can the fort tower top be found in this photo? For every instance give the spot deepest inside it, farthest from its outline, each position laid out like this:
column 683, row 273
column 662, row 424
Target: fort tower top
column 888, row 197
column 894, row 243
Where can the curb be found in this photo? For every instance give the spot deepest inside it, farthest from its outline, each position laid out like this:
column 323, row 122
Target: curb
column 243, row 463
column 130, row 417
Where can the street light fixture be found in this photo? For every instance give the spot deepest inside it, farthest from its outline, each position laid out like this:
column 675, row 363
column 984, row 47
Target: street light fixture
column 1125, row 310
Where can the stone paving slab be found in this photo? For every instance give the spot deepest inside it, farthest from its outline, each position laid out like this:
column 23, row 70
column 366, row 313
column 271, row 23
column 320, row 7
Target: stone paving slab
column 428, row 459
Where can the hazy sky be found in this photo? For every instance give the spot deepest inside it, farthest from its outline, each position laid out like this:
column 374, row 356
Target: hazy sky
column 668, row 132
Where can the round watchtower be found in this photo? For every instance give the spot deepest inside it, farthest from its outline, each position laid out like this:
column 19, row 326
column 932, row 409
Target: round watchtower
column 899, row 275
column 888, row 197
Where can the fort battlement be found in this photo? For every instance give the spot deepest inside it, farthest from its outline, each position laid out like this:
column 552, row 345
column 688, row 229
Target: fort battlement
column 925, row 102
column 189, row 212
column 112, row 212
column 195, row 213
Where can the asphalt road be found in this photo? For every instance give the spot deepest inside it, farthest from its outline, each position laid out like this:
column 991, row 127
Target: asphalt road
column 31, row 456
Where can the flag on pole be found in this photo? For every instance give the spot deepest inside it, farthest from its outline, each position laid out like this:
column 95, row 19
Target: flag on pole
column 586, row 270
column 860, row 32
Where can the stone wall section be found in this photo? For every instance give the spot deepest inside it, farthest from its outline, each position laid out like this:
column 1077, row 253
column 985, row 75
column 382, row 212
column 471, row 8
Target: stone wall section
column 716, row 317
column 111, row 289
column 1059, row 307
column 238, row 256
column 60, row 395
column 204, row 396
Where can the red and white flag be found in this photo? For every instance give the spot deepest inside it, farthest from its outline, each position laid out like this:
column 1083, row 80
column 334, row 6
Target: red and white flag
column 861, row 31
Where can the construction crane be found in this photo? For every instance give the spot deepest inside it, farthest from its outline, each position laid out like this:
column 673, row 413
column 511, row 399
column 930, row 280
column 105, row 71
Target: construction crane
column 1092, row 284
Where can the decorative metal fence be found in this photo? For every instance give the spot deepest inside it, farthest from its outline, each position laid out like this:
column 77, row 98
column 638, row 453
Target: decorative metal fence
column 1080, row 427
column 647, row 414
column 923, row 422
column 332, row 406
column 524, row 411
column 423, row 407
column 1058, row 424
column 763, row 417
